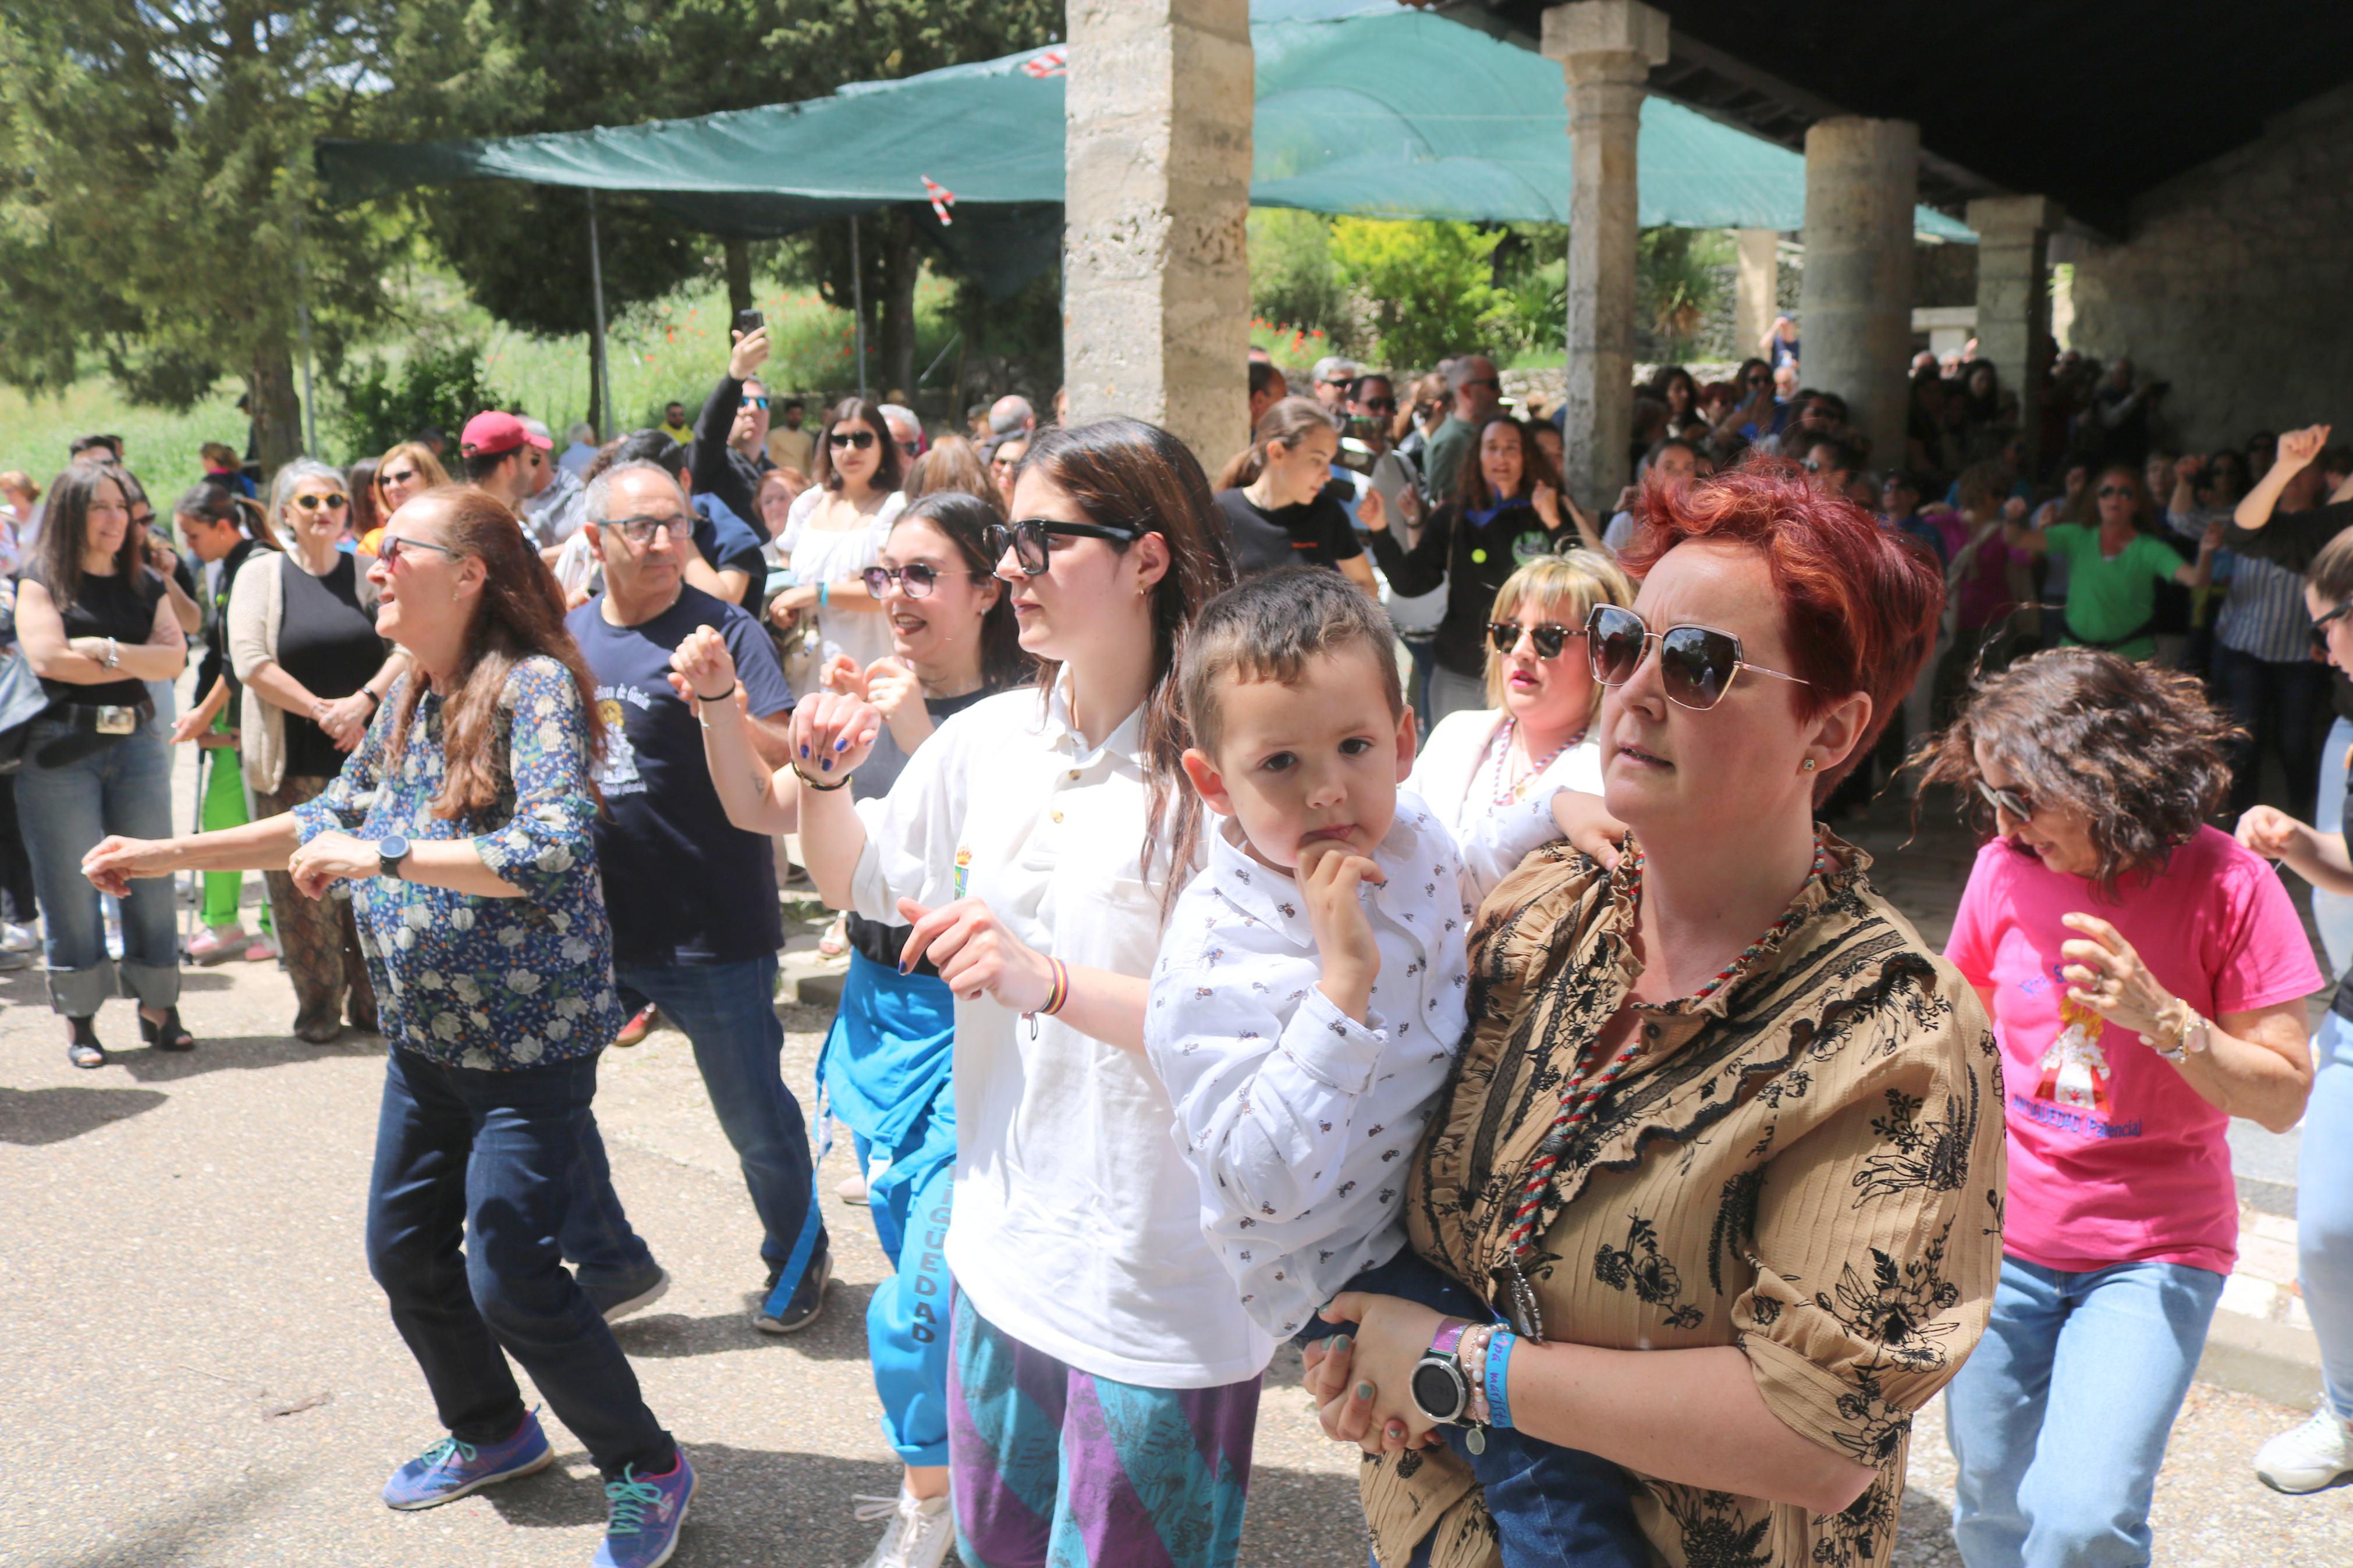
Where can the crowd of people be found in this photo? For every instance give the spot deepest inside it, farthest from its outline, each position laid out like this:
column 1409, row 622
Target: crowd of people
column 1361, row 898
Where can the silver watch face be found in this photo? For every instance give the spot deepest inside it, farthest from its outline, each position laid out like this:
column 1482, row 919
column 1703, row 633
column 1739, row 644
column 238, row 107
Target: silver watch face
column 1439, row 1389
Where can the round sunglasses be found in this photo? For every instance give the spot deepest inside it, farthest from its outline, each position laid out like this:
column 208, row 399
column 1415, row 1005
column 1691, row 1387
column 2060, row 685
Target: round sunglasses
column 1696, row 664
column 313, row 502
column 1548, row 637
column 916, row 579
column 1025, row 538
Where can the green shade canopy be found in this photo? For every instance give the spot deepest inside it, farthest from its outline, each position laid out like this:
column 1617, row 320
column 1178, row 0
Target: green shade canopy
column 1374, row 111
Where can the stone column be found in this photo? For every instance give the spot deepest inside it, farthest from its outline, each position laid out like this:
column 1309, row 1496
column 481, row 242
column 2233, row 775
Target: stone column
column 1606, row 49
column 1863, row 179
column 1756, row 289
column 1156, row 275
column 2014, row 297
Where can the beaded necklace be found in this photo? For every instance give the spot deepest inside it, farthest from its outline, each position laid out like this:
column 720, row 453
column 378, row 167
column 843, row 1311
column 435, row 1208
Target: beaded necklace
column 1506, row 792
column 1585, row 1087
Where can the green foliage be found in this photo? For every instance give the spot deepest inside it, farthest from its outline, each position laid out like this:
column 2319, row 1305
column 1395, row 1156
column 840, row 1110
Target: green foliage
column 1294, row 280
column 1676, row 287
column 384, row 402
column 160, row 445
column 1429, row 285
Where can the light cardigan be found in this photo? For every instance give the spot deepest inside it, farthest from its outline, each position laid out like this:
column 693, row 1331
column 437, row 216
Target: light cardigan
column 255, row 602
column 1454, row 776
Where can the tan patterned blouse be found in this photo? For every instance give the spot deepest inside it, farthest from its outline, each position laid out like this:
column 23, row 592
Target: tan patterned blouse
column 1807, row 1164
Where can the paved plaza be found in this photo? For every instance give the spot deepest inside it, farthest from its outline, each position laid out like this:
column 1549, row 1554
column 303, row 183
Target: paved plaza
column 199, row 1372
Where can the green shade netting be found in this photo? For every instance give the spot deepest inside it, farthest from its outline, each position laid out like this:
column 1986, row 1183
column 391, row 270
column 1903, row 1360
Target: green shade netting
column 1372, row 110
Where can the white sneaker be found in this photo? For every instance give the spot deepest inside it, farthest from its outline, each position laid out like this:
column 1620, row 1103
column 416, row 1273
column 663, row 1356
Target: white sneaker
column 14, row 938
column 2316, row 1455
column 920, row 1534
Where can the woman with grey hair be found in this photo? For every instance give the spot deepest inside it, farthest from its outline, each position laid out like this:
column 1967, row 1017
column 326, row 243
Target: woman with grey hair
column 302, row 640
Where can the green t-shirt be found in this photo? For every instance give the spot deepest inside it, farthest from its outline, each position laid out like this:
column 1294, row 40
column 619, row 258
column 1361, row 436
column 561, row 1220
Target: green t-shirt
column 2112, row 597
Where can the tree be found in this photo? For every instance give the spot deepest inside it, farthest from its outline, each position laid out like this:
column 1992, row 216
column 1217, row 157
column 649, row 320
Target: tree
column 156, row 207
column 1430, row 284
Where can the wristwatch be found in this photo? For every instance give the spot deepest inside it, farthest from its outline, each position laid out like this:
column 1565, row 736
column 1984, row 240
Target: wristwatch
column 2190, row 1037
column 1440, row 1389
column 390, row 851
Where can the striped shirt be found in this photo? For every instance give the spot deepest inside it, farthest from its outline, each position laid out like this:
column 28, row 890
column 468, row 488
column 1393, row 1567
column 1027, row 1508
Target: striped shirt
column 2264, row 615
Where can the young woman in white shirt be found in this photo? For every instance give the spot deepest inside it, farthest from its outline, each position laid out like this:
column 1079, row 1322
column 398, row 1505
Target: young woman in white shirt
column 1490, row 773
column 833, row 534
column 1088, row 1303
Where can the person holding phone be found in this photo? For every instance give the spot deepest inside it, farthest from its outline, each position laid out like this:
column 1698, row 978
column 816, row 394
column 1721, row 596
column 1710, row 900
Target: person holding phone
column 731, row 434
column 834, row 532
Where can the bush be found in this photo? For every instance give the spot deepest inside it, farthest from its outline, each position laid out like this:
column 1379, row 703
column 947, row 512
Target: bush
column 1292, row 278
column 1429, row 284
column 383, row 402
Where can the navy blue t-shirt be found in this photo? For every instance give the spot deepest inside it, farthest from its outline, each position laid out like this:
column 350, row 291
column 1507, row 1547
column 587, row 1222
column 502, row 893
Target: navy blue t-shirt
column 682, row 884
column 728, row 543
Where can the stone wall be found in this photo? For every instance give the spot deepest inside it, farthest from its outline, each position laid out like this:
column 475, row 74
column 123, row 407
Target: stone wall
column 2235, row 283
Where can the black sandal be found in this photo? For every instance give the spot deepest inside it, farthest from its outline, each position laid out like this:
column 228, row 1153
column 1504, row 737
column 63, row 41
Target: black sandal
column 84, row 1050
column 167, row 1034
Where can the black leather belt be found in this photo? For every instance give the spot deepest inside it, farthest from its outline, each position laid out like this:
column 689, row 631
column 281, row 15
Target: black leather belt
column 105, row 718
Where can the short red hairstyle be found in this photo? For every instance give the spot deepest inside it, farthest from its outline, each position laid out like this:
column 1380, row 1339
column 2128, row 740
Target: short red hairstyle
column 1859, row 609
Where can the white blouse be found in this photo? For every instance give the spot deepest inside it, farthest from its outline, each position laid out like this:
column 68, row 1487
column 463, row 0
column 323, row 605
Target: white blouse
column 1455, row 774
column 838, row 555
column 1077, row 1226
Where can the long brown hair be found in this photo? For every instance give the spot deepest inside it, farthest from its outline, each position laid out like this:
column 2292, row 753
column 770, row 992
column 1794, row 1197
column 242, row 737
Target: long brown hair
column 519, row 617
column 1125, row 472
column 964, row 521
column 65, row 529
column 211, row 502
column 1289, row 420
column 1471, row 488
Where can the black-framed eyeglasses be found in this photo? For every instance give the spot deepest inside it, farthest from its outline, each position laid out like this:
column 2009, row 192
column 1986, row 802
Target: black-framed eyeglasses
column 2019, row 807
column 1549, row 639
column 1026, row 537
column 2321, row 624
column 313, row 502
column 862, row 439
column 640, row 531
column 390, row 548
column 1696, row 664
column 916, row 579
column 754, row 403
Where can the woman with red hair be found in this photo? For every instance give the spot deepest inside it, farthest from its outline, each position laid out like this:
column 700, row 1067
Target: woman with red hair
column 1722, row 1162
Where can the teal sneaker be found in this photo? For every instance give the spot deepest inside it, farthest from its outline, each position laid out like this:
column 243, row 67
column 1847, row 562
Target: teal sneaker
column 450, row 1469
column 645, row 1512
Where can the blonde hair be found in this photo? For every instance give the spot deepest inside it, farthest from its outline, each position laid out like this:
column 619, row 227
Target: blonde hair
column 1576, row 581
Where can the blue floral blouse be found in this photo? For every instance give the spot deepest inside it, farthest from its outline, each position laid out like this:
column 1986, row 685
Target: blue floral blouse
column 468, row 981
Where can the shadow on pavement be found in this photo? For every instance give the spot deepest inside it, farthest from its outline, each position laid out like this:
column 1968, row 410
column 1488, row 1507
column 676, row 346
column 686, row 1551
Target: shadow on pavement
column 176, row 1530
column 750, row 1505
column 838, row 1334
column 234, row 1053
column 30, row 1116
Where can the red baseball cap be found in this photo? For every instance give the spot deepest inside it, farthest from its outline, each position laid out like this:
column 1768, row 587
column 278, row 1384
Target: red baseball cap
column 489, row 433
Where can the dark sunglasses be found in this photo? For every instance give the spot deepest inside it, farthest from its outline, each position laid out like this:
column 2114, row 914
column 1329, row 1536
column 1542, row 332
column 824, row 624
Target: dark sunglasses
column 640, row 531
column 916, row 579
column 1549, row 639
column 1026, row 539
column 2107, row 490
column 1486, row 381
column 1696, row 664
column 2320, row 627
column 862, row 439
column 1378, row 405
column 2010, row 801
column 404, row 476
column 313, row 502
column 390, row 548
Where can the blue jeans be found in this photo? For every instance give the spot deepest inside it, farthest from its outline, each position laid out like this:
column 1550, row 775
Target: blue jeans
column 474, row 1171
column 2279, row 705
column 2333, row 912
column 728, row 1012
column 2324, row 1210
column 2059, row 1420
column 1418, row 647
column 1551, row 1504
column 122, row 787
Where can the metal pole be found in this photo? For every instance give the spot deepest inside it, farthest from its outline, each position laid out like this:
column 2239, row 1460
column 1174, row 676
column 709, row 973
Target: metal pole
column 858, row 306
column 596, row 356
column 303, row 332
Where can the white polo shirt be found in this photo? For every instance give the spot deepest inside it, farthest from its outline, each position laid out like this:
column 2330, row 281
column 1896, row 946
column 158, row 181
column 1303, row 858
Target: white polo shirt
column 1076, row 1226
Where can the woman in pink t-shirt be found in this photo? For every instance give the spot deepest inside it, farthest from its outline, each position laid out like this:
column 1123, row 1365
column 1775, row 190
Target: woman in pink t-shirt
column 2146, row 977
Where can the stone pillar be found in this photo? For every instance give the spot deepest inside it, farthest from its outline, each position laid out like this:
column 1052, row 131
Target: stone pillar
column 1863, row 179
column 1156, row 274
column 1756, row 289
column 2014, row 298
column 1606, row 49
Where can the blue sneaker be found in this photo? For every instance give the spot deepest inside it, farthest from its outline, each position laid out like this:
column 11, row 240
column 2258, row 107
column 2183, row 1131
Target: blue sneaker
column 641, row 1530
column 450, row 1469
